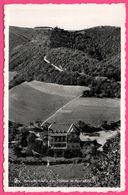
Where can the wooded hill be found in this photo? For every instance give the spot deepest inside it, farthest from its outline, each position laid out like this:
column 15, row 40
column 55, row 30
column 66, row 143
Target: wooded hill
column 89, row 57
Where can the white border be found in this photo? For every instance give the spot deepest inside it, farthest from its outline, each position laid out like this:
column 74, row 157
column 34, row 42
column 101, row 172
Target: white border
column 6, row 106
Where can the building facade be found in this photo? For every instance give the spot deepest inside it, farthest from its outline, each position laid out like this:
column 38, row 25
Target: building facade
column 63, row 138
column 57, row 140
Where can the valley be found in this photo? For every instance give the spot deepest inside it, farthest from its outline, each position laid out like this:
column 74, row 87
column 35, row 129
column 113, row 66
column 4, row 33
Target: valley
column 64, row 106
column 80, row 58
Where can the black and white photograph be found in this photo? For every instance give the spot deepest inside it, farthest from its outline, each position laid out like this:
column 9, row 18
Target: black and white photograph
column 64, row 97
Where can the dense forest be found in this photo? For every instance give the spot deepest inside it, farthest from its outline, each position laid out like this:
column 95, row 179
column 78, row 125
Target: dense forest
column 98, row 42
column 88, row 57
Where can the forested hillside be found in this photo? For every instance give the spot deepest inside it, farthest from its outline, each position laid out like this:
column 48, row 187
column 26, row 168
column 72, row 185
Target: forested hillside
column 89, row 57
column 19, row 36
column 98, row 42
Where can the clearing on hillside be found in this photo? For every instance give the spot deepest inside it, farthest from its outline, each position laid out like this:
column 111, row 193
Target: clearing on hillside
column 37, row 100
column 62, row 90
column 89, row 110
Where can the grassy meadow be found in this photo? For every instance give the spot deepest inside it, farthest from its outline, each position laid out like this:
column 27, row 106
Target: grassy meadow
column 37, row 100
column 89, row 110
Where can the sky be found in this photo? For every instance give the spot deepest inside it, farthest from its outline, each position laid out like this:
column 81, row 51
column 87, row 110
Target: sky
column 68, row 17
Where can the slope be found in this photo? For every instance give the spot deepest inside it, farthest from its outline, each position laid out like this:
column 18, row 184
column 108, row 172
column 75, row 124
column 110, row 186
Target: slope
column 99, row 56
column 19, row 36
column 36, row 101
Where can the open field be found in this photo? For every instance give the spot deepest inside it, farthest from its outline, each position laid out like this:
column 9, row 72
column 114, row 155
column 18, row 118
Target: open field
column 45, row 101
column 56, row 89
column 89, row 110
column 27, row 104
column 37, row 101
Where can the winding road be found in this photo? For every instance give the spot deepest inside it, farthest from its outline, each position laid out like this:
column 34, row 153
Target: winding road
column 56, row 67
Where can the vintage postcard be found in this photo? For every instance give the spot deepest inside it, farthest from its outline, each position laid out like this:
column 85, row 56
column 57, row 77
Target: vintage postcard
column 64, row 97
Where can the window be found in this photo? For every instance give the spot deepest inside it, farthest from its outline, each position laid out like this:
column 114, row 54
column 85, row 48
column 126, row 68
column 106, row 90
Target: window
column 63, row 138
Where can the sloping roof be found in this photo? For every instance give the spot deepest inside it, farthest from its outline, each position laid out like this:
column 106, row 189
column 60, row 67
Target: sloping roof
column 72, row 128
column 62, row 128
column 59, row 127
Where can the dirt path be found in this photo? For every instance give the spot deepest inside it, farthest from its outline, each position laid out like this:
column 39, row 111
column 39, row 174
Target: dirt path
column 56, row 67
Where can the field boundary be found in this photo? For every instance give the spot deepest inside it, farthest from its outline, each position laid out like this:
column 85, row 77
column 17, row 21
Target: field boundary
column 50, row 117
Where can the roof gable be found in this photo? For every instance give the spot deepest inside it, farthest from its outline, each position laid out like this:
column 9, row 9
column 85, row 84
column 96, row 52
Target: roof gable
column 59, row 127
column 72, row 129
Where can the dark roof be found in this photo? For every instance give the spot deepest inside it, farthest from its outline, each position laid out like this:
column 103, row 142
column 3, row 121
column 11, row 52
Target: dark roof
column 58, row 134
column 59, row 127
column 62, row 128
